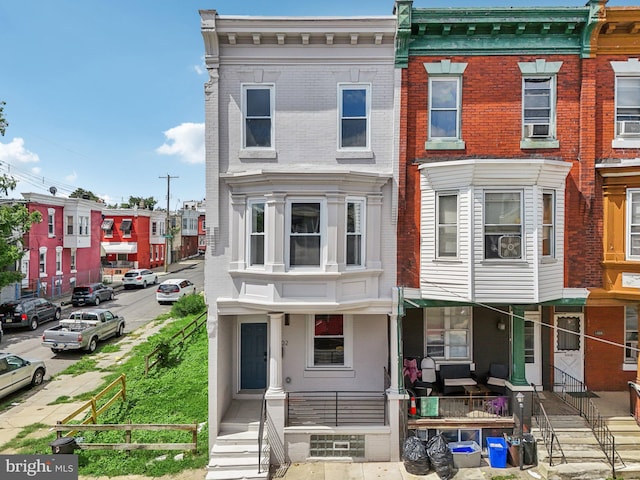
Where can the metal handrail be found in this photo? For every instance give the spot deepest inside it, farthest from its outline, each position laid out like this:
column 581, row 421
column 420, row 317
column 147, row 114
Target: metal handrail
column 263, row 419
column 549, row 436
column 589, row 411
column 634, row 401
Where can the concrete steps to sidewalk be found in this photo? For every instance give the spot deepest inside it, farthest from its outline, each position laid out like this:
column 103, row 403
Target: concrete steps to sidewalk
column 235, row 454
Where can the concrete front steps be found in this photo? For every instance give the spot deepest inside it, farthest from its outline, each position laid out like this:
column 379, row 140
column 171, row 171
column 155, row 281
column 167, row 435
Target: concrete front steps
column 235, row 454
column 585, row 458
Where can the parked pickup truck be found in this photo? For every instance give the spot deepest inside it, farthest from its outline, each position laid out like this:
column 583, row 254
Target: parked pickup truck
column 83, row 330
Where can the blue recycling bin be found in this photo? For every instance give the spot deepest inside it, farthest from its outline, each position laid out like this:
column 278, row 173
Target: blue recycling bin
column 497, row 447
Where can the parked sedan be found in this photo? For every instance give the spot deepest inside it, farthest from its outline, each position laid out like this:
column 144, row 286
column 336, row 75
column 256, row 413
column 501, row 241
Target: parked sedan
column 139, row 278
column 173, row 289
column 17, row 372
column 28, row 312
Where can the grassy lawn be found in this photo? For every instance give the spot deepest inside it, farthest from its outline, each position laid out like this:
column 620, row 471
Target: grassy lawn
column 174, row 392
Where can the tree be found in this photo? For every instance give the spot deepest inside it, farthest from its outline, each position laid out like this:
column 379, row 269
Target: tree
column 86, row 194
column 15, row 221
column 147, row 203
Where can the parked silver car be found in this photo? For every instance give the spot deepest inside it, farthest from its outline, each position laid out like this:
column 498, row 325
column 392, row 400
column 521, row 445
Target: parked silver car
column 17, row 372
column 93, row 294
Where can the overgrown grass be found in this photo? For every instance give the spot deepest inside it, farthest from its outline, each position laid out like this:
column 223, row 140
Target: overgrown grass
column 173, row 395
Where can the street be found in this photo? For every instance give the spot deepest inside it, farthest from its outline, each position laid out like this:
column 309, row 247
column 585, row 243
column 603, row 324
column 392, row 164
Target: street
column 138, row 306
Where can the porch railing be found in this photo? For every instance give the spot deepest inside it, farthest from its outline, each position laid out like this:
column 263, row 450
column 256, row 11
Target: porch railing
column 336, row 408
column 549, row 437
column 634, row 401
column 476, row 407
column 575, row 393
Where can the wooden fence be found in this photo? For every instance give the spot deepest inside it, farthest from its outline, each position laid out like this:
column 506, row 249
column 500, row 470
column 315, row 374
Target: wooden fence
column 184, row 334
column 128, row 428
column 92, row 405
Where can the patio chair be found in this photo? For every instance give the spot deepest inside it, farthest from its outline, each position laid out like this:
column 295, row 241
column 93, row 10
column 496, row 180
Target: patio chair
column 498, row 375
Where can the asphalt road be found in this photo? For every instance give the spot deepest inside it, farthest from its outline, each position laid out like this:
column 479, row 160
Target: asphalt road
column 138, row 306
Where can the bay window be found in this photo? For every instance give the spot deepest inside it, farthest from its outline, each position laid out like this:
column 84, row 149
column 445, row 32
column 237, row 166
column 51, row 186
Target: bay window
column 355, row 233
column 305, row 236
column 256, row 233
column 447, row 225
column 503, row 225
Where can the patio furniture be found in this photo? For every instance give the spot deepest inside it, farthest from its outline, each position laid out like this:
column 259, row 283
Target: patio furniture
column 455, row 377
column 498, row 375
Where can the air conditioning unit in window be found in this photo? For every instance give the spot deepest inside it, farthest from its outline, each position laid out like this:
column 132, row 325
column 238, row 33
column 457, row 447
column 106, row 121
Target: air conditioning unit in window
column 536, row 130
column 510, row 246
column 628, row 128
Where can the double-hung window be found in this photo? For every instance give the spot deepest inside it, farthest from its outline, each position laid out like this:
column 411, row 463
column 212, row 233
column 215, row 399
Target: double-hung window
column 58, row 260
column 355, row 232
column 354, row 116
column 256, row 232
column 445, row 105
column 154, row 228
column 633, row 224
column 305, row 233
column 631, row 334
column 42, row 262
column 330, row 341
column 628, row 107
column 448, row 333
column 503, row 225
column 447, row 225
column 51, row 222
column 69, row 224
column 258, row 116
column 538, row 112
column 548, row 224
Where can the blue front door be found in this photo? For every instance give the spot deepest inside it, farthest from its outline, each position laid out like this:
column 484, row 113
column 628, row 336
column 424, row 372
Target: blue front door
column 253, row 356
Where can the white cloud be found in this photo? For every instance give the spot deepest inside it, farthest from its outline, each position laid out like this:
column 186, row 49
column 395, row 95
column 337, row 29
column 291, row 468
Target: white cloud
column 200, row 69
column 71, row 177
column 36, row 170
column 15, row 152
column 186, row 141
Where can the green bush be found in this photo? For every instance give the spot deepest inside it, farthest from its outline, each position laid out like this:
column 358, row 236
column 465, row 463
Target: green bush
column 188, row 305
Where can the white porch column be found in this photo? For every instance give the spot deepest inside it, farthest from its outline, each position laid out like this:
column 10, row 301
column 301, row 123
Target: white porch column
column 275, row 352
column 394, row 361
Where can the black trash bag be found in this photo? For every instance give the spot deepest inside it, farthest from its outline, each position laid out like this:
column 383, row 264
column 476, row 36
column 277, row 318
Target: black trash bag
column 414, row 454
column 441, row 457
column 530, row 449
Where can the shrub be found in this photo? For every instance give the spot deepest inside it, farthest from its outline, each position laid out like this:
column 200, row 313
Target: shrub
column 188, row 305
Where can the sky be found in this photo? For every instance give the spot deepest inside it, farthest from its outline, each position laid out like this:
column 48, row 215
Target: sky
column 108, row 95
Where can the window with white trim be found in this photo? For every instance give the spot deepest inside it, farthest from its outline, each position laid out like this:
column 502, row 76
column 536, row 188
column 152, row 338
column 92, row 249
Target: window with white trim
column 305, row 233
column 447, row 225
column 355, row 232
column 444, row 107
column 42, row 261
column 628, row 107
column 51, row 222
column 354, row 111
column 548, row 224
column 58, row 260
column 503, row 225
column 631, row 334
column 256, row 232
column 257, row 116
column 154, row 228
column 538, row 107
column 330, row 341
column 448, row 333
column 72, row 259
column 83, row 225
column 107, row 227
column 69, row 224
column 125, row 227
column 633, row 224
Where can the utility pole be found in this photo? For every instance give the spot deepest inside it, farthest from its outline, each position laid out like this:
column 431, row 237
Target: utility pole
column 167, row 235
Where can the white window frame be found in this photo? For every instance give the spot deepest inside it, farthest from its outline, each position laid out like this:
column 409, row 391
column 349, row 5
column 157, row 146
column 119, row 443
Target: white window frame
column 126, row 234
column 58, row 260
column 73, row 260
column 626, row 129
column 457, row 109
column 633, row 225
column 245, row 117
column 447, row 333
column 347, row 335
column 549, row 226
column 251, row 234
column 154, row 229
column 70, row 224
column 631, row 335
column 342, row 88
column 321, row 233
column 51, row 222
column 531, row 129
column 108, row 233
column 42, row 261
column 358, row 234
column 508, row 230
column 443, row 225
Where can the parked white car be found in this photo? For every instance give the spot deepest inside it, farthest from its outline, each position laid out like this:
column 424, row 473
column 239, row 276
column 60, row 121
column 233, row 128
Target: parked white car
column 17, row 372
column 139, row 278
column 173, row 289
